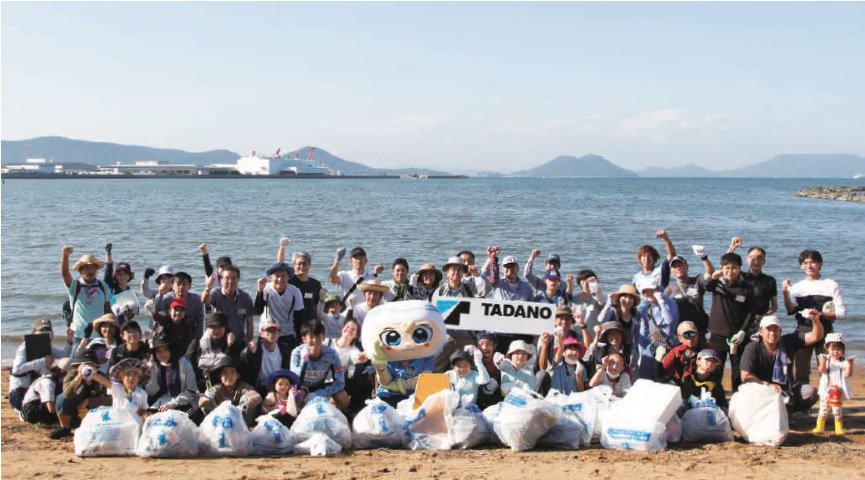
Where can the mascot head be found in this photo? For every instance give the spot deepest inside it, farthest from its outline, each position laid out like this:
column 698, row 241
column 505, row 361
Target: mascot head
column 406, row 330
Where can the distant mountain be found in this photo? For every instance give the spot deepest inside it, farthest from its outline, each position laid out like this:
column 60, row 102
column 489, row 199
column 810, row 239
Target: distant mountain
column 809, row 165
column 569, row 166
column 689, row 170
column 67, row 150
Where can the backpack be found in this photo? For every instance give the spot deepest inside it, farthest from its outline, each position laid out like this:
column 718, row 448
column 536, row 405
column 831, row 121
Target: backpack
column 69, row 307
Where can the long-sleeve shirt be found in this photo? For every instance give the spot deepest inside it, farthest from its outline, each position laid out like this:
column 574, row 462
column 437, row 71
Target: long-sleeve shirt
column 188, row 387
column 537, row 282
column 467, row 387
column 23, row 372
column 513, row 377
column 663, row 318
column 732, row 306
column 814, row 294
column 313, row 373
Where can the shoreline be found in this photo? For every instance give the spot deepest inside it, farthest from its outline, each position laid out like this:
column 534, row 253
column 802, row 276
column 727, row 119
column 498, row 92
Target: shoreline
column 29, row 453
column 36, row 176
column 844, row 193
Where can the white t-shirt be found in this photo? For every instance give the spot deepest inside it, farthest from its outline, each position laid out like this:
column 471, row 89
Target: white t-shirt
column 270, row 362
column 281, row 307
column 136, row 402
column 42, row 389
column 347, row 279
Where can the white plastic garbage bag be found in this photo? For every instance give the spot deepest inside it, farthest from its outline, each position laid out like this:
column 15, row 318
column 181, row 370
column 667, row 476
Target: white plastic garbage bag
column 320, row 416
column 674, row 430
column 318, row 445
column 624, row 435
column 428, row 428
column 271, row 437
column 758, row 413
column 223, row 432
column 640, row 420
column 705, row 422
column 604, row 400
column 107, row 431
column 377, row 425
column 489, row 415
column 523, row 418
column 567, row 433
column 168, row 434
column 469, row 429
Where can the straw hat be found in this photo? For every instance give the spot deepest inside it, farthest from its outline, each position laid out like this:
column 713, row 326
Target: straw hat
column 373, row 285
column 455, row 261
column 626, row 290
column 87, row 260
column 107, row 319
column 429, row 267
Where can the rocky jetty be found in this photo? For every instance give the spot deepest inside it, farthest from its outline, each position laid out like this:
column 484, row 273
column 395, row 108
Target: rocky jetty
column 844, row 193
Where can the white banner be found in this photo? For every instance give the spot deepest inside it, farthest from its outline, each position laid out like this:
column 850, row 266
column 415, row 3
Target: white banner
column 498, row 316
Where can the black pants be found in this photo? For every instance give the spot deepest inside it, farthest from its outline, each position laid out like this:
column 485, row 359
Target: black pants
column 719, row 343
column 359, row 388
column 16, row 398
column 37, row 412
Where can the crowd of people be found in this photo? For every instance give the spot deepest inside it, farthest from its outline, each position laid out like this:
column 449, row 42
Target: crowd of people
column 189, row 351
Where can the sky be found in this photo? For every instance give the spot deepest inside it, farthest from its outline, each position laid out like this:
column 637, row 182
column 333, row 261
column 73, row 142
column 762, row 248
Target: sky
column 455, row 86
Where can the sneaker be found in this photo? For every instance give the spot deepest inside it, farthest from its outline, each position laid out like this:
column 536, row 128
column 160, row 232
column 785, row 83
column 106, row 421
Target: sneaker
column 20, row 415
column 61, row 432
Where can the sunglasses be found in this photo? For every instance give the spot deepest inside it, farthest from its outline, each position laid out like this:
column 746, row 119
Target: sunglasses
column 689, row 335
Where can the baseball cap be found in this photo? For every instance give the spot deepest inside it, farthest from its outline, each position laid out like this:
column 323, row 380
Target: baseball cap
column 708, row 353
column 357, row 252
column 509, row 259
column 686, row 326
column 678, row 258
column 554, row 258
column 280, row 267
column 177, row 303
column 769, row 320
column 552, row 274
column 42, row 324
column 215, row 319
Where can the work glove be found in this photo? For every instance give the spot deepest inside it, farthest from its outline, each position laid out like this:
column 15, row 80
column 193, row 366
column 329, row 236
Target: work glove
column 491, row 386
column 284, row 242
column 699, row 250
column 735, row 341
column 148, row 272
column 107, row 248
column 340, row 254
column 659, row 353
column 379, row 356
column 498, row 358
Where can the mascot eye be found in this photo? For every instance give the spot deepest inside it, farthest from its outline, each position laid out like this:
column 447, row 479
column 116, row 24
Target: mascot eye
column 391, row 338
column 422, row 335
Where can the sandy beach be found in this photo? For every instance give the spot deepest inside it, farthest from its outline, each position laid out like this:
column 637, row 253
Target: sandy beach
column 28, row 453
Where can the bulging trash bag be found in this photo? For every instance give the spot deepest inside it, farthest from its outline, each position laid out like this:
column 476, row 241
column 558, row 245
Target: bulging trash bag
column 627, row 435
column 604, row 401
column 271, row 437
column 318, row 445
column 428, row 428
column 639, row 420
column 168, row 434
column 705, row 422
column 223, row 432
column 567, row 433
column 523, row 418
column 320, row 416
column 759, row 414
column 489, row 415
column 469, row 429
column 674, row 430
column 377, row 425
column 107, row 431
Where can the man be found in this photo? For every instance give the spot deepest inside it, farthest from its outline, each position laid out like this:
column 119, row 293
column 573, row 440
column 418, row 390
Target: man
column 454, row 286
column 765, row 287
column 89, row 297
column 233, row 302
column 279, row 302
column 373, row 291
column 25, row 371
column 679, row 362
column 264, row 355
column 509, row 286
column 551, row 292
column 318, row 367
column 769, row 360
column 553, row 261
column 688, row 291
column 176, row 329
column 348, row 280
column 398, row 286
column 732, row 313
column 814, row 292
column 309, row 287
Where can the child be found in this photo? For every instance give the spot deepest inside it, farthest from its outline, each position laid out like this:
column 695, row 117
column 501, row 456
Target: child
column 283, row 397
column 315, row 363
column 466, row 381
column 835, row 373
column 172, row 385
column 264, row 355
column 132, row 346
column 124, row 387
column 227, row 386
column 491, row 394
column 568, row 374
column 613, row 374
column 679, row 362
column 39, row 405
column 332, row 315
column 516, row 369
column 703, row 378
column 176, row 329
column 214, row 344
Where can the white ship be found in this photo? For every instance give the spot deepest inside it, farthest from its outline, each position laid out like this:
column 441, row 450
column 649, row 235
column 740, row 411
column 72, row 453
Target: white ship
column 282, row 165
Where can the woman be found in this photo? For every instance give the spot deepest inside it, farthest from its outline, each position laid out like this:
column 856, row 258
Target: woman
column 172, row 384
column 358, row 384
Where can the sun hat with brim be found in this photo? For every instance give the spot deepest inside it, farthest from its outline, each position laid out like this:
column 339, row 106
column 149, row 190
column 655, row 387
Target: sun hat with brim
column 572, row 341
column 428, row 267
column 607, row 327
column 224, row 361
column 334, row 298
column 564, row 310
column 281, row 373
column 834, row 337
column 374, row 285
column 216, row 319
column 107, row 319
column 280, row 267
column 686, row 326
column 159, row 342
column 769, row 320
column 129, row 364
column 164, row 270
column 510, row 259
column 625, row 290
column 455, row 261
column 124, row 267
column 518, row 345
column 708, row 353
column 63, row 364
column 87, row 260
column 88, row 356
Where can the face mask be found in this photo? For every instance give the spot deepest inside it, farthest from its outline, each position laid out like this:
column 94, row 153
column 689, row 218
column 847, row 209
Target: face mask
column 613, row 376
column 571, row 362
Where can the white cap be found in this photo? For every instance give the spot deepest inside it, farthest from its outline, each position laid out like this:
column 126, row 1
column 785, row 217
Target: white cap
column 646, row 284
column 769, row 320
column 834, row 337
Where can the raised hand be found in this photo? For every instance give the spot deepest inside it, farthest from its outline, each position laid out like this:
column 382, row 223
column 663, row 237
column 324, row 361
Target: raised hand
column 536, row 253
column 284, row 242
column 262, row 282
column 203, row 249
column 67, row 250
column 340, row 254
column 661, row 234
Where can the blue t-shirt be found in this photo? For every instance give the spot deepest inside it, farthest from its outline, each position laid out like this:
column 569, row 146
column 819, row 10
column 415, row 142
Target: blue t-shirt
column 89, row 305
column 405, row 371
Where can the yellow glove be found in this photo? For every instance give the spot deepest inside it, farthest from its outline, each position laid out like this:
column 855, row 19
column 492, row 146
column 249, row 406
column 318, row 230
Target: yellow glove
column 378, row 355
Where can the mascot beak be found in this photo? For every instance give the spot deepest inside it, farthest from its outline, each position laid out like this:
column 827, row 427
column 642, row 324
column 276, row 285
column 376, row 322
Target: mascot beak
column 408, row 326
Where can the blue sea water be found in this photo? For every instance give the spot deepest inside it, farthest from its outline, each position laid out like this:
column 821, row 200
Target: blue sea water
column 593, row 223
